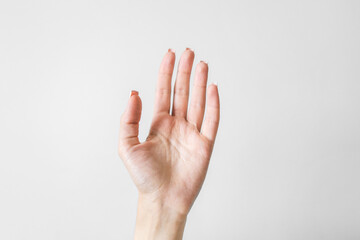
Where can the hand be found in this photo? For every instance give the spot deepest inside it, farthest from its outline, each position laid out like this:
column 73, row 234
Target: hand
column 170, row 166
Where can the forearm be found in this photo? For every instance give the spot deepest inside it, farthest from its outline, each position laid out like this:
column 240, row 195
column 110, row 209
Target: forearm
column 156, row 221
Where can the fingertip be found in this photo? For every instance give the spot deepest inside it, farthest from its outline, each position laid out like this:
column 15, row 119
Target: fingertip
column 134, row 108
column 170, row 54
column 134, row 98
column 213, row 95
column 168, row 62
column 202, row 67
column 187, row 58
column 214, row 84
column 133, row 92
column 190, row 51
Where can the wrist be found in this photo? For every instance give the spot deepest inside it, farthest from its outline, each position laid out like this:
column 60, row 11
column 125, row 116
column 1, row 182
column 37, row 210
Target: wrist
column 157, row 220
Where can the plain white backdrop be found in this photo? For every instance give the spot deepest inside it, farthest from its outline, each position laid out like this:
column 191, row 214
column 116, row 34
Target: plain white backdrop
column 286, row 164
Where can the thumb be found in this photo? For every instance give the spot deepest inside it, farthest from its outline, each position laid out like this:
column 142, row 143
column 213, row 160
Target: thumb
column 129, row 124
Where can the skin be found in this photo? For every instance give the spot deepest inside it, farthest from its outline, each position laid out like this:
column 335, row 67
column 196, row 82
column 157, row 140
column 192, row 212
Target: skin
column 169, row 168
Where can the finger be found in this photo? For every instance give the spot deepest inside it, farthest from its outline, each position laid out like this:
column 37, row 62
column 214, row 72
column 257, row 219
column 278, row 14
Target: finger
column 212, row 116
column 181, row 88
column 129, row 124
column 198, row 96
column 163, row 89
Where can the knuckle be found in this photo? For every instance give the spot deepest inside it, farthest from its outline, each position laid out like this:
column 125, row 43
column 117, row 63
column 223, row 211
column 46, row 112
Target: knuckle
column 164, row 91
column 181, row 91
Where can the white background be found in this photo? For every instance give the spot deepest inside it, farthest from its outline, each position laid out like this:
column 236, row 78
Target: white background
column 286, row 164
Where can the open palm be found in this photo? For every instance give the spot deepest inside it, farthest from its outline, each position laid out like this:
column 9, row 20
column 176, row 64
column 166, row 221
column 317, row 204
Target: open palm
column 171, row 164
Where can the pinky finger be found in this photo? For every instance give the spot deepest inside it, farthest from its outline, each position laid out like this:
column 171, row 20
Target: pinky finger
column 212, row 116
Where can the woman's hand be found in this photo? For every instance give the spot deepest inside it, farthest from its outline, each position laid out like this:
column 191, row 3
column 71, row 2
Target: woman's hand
column 170, row 166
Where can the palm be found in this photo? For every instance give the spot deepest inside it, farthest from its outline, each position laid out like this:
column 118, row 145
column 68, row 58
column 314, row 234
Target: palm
column 174, row 160
column 171, row 164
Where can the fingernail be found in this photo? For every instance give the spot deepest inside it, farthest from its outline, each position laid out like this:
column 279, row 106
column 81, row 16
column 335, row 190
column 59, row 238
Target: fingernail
column 207, row 63
column 133, row 92
column 190, row 49
column 215, row 83
column 171, row 50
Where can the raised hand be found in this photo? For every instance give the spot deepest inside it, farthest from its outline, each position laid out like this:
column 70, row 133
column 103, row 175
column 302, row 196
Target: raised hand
column 170, row 166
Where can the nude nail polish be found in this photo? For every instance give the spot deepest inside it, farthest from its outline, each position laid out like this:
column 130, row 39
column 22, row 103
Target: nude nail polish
column 133, row 92
column 171, row 50
column 190, row 49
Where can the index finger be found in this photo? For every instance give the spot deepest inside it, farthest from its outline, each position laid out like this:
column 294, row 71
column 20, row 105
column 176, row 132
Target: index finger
column 163, row 89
